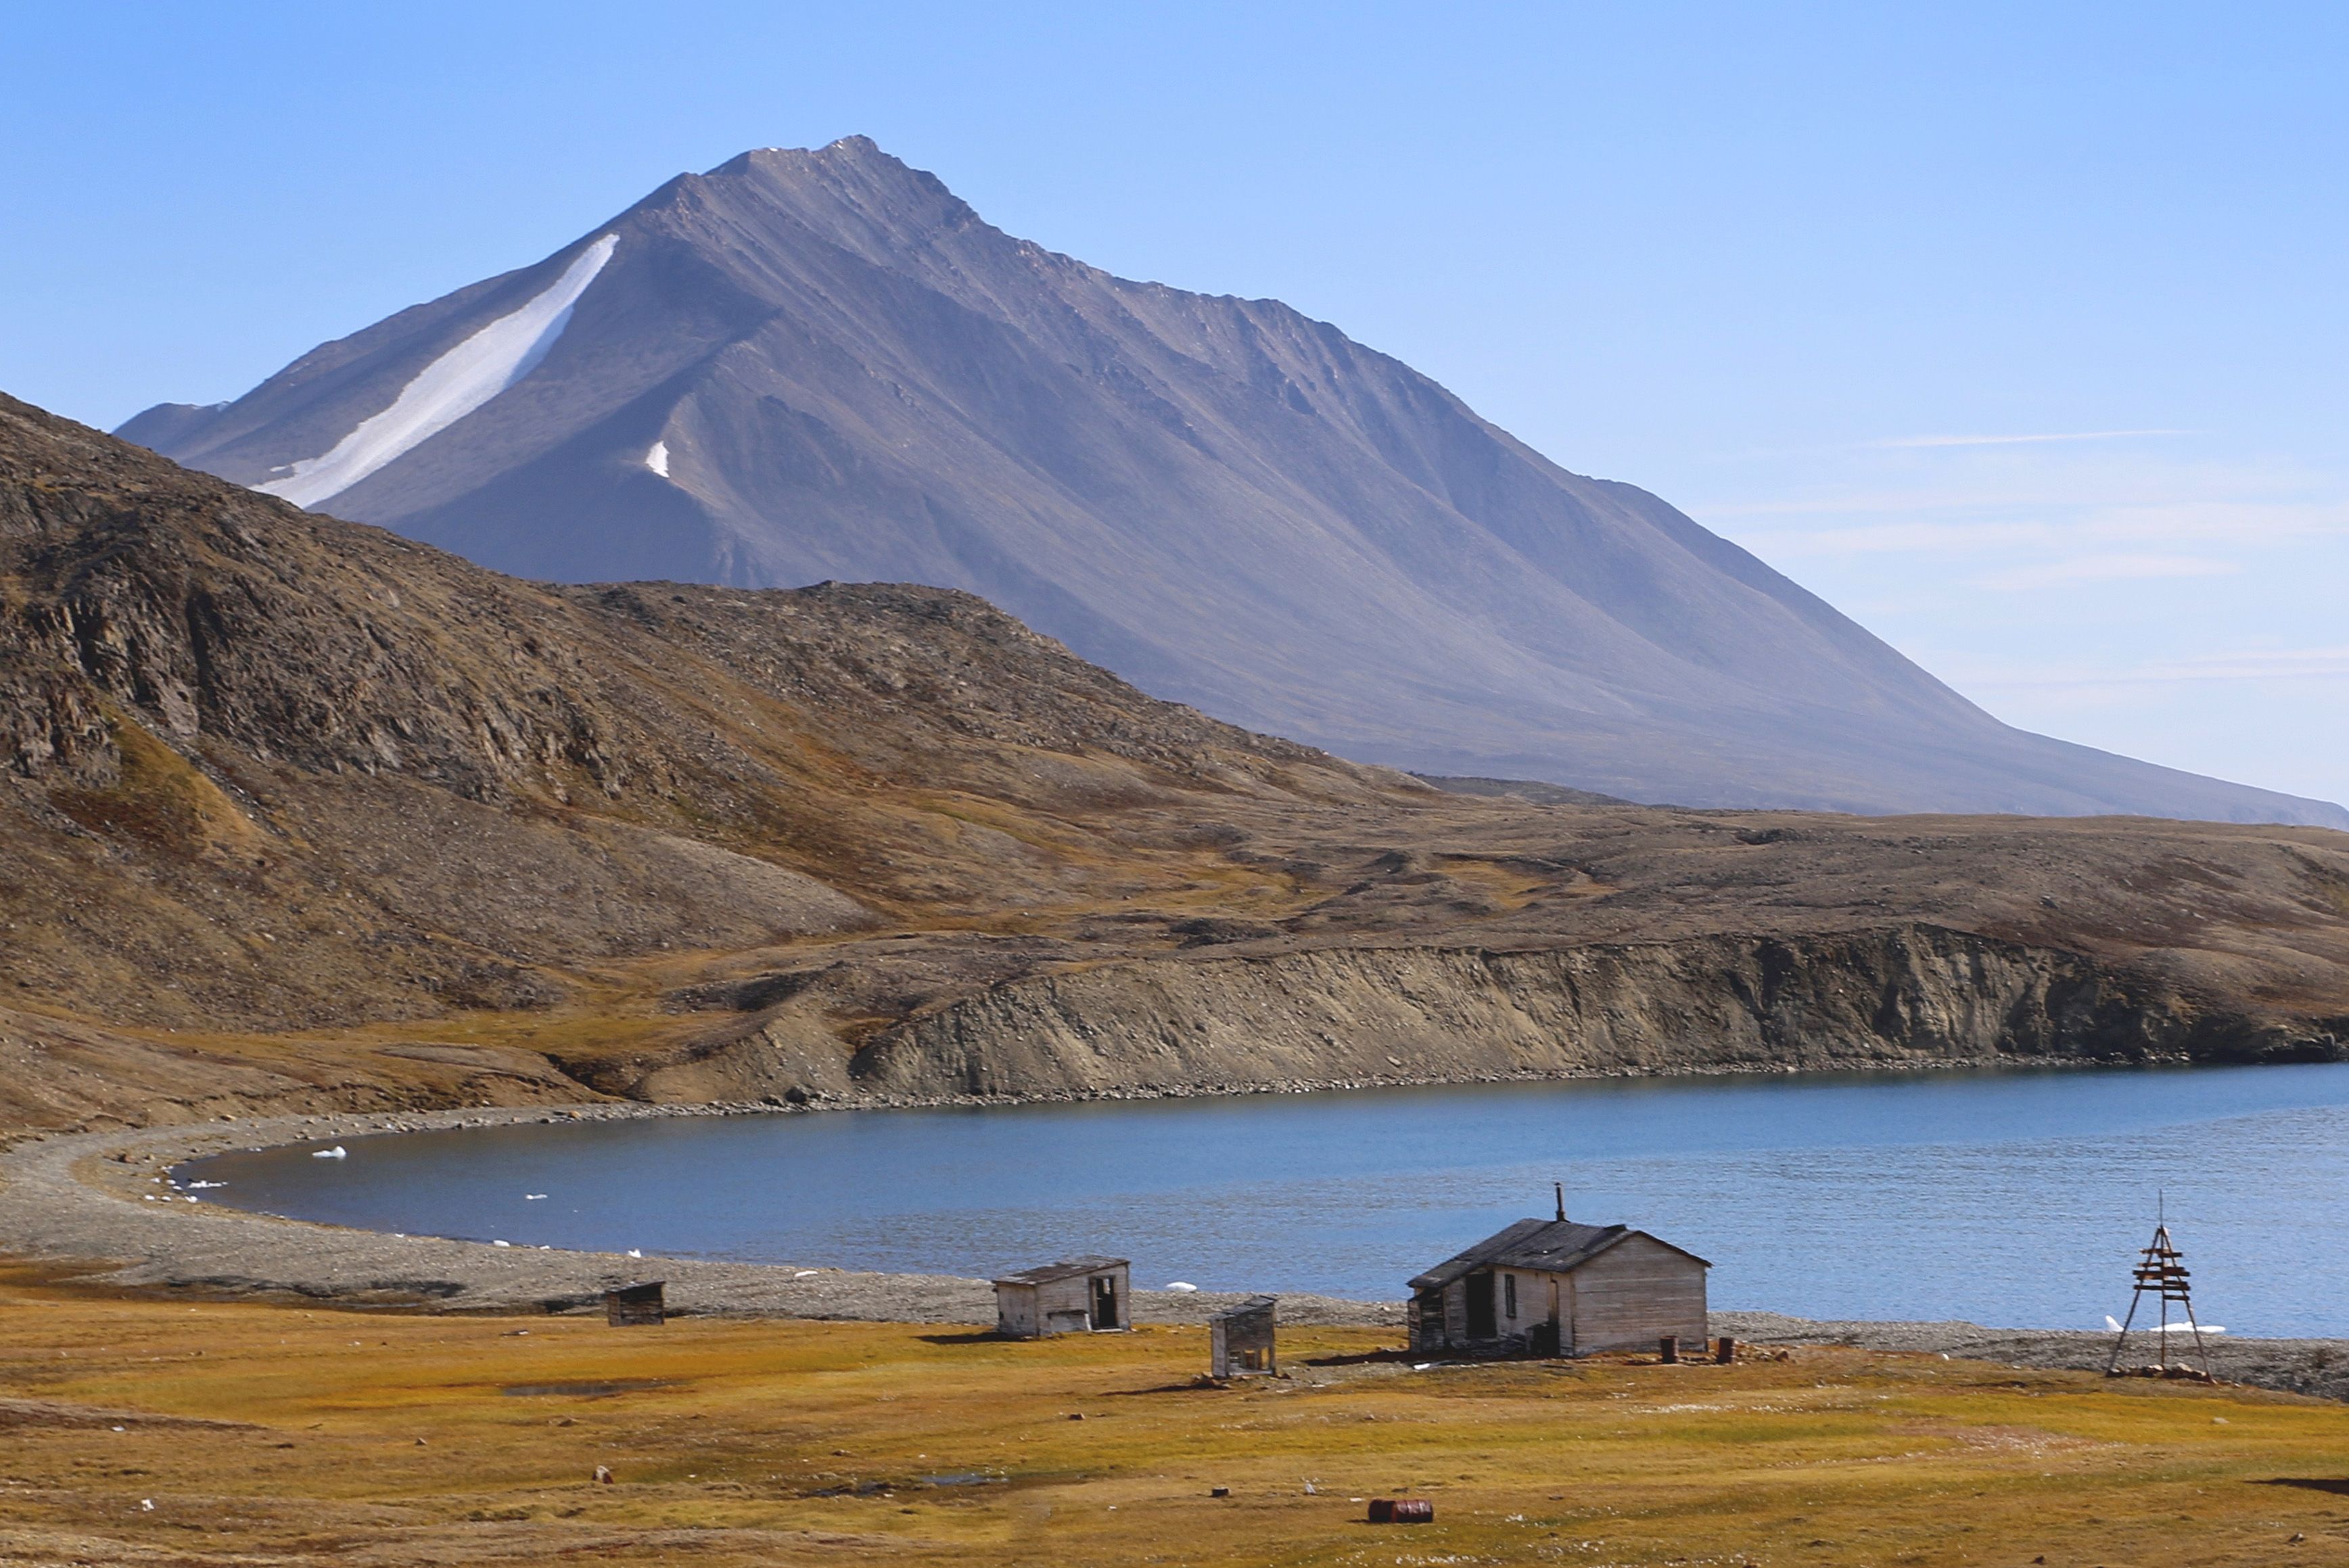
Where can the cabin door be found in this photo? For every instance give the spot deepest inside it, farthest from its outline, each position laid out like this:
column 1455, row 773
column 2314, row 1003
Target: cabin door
column 1105, row 1301
column 1482, row 1322
column 1543, row 1333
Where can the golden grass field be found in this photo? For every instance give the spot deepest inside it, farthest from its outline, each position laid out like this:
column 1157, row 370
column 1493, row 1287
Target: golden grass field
column 274, row 1434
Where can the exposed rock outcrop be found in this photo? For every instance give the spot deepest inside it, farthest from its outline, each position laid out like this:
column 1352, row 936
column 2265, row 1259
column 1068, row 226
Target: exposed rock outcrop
column 1914, row 997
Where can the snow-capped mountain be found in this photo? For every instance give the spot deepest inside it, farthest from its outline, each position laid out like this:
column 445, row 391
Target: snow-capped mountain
column 810, row 364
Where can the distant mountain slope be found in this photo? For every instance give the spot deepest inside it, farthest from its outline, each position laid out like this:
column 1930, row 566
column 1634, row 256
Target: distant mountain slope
column 805, row 366
column 305, row 770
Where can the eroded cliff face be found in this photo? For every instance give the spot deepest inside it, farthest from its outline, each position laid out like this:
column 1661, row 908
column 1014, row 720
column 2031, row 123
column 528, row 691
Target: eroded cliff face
column 1916, row 996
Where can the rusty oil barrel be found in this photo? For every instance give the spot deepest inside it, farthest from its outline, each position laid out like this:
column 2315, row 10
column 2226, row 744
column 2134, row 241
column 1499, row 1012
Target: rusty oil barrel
column 1401, row 1511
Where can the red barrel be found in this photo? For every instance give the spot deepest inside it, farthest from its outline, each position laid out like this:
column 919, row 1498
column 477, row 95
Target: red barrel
column 1401, row 1511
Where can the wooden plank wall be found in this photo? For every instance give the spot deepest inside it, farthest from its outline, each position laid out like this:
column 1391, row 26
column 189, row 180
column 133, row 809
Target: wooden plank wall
column 1633, row 1294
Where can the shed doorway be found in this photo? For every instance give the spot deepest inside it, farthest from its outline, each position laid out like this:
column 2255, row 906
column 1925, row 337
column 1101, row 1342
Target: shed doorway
column 1105, row 1302
column 1482, row 1323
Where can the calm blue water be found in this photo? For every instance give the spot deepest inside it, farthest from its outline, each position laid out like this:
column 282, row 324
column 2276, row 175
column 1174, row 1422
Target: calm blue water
column 2013, row 1198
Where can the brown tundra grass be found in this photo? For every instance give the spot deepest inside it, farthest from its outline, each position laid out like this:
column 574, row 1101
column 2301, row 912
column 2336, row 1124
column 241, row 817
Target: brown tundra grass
column 145, row 1431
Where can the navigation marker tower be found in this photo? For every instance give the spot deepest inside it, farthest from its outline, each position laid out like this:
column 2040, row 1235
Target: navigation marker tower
column 2161, row 1273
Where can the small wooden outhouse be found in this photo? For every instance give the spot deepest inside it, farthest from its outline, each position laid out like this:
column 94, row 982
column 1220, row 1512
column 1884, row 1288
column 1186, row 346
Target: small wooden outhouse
column 1240, row 1338
column 1553, row 1287
column 636, row 1305
column 1075, row 1295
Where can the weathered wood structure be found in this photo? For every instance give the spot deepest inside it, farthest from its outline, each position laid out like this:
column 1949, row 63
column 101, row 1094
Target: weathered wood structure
column 1239, row 1339
column 2161, row 1273
column 637, row 1306
column 1075, row 1295
column 1553, row 1287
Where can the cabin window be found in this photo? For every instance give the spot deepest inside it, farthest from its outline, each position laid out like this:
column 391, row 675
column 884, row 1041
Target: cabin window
column 1509, row 1294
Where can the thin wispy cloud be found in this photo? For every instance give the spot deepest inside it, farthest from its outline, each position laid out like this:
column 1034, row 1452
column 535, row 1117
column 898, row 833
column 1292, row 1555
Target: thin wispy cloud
column 2106, row 569
column 2235, row 665
column 1906, row 443
column 2059, row 525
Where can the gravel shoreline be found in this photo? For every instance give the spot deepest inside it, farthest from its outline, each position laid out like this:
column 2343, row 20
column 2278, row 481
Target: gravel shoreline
column 81, row 1200
column 95, row 1203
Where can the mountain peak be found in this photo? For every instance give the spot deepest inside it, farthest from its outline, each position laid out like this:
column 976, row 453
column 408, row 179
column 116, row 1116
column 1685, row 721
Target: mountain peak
column 849, row 191
column 846, row 151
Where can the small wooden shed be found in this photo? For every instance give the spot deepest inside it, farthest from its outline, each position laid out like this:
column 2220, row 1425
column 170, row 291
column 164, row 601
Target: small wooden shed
column 1554, row 1288
column 1239, row 1339
column 636, row 1305
column 1075, row 1295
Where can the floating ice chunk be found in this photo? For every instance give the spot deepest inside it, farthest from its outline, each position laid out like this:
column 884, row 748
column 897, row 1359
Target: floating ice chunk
column 336, row 1153
column 2115, row 1325
column 204, row 1186
column 1186, row 1286
column 532, row 1197
column 657, row 458
column 449, row 388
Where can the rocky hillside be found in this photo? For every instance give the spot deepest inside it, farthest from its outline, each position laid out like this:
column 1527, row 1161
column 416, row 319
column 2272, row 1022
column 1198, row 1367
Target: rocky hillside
column 300, row 813
column 822, row 364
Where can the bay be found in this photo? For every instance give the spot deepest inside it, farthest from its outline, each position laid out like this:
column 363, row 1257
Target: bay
column 2013, row 1198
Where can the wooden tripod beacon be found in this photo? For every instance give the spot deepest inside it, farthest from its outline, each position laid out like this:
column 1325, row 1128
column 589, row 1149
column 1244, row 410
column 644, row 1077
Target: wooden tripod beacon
column 2161, row 1273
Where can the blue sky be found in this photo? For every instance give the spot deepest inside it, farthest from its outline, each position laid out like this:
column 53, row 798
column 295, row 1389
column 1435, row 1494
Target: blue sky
column 2015, row 331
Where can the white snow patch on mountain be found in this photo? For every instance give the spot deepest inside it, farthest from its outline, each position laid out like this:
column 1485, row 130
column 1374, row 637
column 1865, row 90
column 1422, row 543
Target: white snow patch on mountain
column 449, row 388
column 657, row 458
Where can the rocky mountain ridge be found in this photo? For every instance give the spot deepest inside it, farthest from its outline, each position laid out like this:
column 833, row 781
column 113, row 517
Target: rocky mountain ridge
column 816, row 364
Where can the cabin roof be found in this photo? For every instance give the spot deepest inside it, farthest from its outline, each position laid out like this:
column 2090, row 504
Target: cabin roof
column 1067, row 1268
column 1254, row 1304
column 1544, row 1246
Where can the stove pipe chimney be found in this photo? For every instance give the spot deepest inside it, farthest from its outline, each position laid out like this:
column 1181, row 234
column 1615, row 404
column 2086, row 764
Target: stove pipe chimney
column 1560, row 1189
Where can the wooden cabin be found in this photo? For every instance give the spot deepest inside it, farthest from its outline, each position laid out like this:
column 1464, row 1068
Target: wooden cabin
column 1239, row 1339
column 1075, row 1295
column 1553, row 1287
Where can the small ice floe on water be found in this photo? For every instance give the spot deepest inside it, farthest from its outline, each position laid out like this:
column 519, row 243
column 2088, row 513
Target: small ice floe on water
column 336, row 1153
column 657, row 458
column 2114, row 1324
column 204, row 1186
column 1186, row 1286
column 500, row 1243
column 532, row 1197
